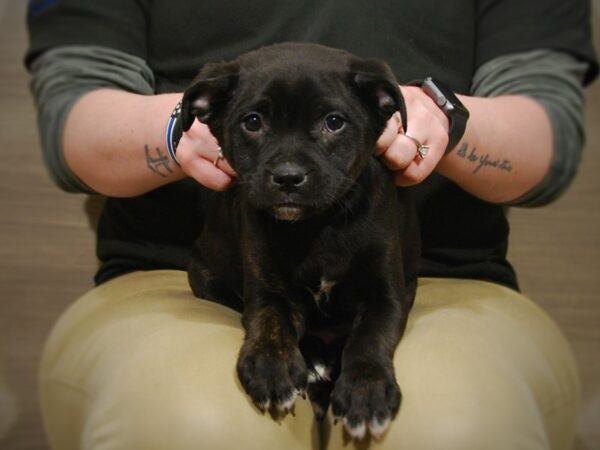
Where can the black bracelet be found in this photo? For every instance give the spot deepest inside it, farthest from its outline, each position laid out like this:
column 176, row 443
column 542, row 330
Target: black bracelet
column 174, row 132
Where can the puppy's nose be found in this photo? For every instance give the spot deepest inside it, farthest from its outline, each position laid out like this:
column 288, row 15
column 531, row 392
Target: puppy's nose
column 288, row 176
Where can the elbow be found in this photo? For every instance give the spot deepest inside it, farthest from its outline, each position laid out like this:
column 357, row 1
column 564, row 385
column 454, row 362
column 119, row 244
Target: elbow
column 561, row 173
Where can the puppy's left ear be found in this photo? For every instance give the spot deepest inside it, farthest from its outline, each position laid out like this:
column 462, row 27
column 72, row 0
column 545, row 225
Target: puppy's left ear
column 378, row 87
column 208, row 94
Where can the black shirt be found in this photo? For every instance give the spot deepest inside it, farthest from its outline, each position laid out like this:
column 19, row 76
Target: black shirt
column 462, row 235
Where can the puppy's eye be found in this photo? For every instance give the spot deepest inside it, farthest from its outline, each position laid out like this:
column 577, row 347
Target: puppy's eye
column 334, row 123
column 252, row 122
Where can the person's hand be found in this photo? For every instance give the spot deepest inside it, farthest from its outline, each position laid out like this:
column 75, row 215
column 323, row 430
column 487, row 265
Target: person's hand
column 198, row 154
column 428, row 125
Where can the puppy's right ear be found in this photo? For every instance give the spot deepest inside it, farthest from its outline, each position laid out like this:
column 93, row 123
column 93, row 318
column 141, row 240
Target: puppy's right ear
column 378, row 87
column 209, row 93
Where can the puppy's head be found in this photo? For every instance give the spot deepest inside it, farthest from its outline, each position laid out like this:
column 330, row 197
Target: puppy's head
column 298, row 122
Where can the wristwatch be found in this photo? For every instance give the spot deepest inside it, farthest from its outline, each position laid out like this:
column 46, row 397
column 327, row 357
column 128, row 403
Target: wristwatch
column 456, row 112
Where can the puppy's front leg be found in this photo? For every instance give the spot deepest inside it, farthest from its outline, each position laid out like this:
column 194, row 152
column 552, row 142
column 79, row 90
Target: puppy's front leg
column 270, row 365
column 366, row 395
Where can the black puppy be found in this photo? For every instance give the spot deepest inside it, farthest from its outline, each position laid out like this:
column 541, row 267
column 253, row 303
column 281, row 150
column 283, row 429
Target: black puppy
column 314, row 242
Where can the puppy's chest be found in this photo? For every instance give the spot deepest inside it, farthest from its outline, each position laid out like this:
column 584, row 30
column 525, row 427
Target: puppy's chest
column 322, row 272
column 333, row 307
column 329, row 292
column 322, row 293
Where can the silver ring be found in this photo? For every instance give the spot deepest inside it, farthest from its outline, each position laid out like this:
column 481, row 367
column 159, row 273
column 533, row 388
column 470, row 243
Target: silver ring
column 422, row 150
column 219, row 157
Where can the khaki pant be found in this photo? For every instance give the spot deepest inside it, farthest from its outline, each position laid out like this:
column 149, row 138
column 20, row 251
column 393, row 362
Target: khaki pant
column 140, row 364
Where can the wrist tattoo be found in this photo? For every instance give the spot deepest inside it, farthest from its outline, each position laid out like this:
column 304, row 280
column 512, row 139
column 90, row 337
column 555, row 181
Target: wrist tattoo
column 479, row 161
column 157, row 162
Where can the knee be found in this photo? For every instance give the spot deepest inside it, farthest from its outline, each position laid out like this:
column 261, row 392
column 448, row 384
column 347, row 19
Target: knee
column 189, row 420
column 480, row 428
column 482, row 367
column 215, row 417
column 464, row 423
column 138, row 363
column 186, row 399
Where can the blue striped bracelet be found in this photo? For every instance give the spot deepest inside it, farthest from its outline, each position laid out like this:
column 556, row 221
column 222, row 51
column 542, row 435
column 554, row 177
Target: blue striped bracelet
column 174, row 132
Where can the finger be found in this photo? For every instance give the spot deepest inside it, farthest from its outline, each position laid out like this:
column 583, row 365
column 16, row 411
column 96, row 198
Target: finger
column 400, row 154
column 420, row 168
column 200, row 141
column 401, row 180
column 205, row 173
column 226, row 167
column 192, row 147
column 221, row 162
column 390, row 132
column 413, row 174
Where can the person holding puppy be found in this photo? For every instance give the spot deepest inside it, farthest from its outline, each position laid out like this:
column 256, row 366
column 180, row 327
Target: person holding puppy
column 139, row 363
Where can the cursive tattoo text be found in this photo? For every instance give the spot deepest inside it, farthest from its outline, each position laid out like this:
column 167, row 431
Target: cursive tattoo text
column 479, row 161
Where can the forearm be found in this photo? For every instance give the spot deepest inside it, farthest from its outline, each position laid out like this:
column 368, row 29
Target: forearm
column 506, row 150
column 114, row 141
column 524, row 137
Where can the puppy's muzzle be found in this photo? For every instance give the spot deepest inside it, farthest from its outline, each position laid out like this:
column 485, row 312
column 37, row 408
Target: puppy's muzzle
column 288, row 177
column 289, row 182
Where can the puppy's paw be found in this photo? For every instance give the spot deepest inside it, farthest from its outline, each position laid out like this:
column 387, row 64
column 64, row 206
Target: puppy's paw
column 365, row 399
column 272, row 376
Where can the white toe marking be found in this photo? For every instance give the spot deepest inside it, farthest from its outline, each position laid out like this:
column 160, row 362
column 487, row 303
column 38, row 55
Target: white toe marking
column 264, row 406
column 377, row 428
column 287, row 404
column 357, row 432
